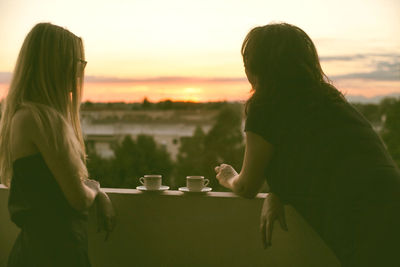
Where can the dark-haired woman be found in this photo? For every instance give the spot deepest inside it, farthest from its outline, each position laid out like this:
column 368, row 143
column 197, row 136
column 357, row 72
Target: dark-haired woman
column 316, row 151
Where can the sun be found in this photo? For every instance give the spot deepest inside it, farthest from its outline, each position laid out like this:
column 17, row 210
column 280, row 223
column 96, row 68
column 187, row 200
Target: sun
column 191, row 94
column 191, row 90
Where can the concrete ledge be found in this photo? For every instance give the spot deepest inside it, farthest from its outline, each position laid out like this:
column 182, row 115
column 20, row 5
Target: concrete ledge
column 176, row 193
column 176, row 229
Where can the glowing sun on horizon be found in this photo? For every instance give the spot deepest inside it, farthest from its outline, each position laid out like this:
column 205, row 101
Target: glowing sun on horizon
column 192, row 94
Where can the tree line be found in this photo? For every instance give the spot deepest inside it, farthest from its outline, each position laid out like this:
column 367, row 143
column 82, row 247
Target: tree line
column 146, row 104
column 200, row 153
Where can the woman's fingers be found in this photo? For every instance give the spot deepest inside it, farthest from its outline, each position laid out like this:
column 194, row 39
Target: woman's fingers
column 221, row 167
column 269, row 226
column 109, row 224
column 217, row 169
column 114, row 222
column 99, row 220
column 106, row 219
column 100, row 225
column 271, row 211
column 263, row 231
column 282, row 221
column 107, row 235
column 106, row 225
column 266, row 232
column 221, row 175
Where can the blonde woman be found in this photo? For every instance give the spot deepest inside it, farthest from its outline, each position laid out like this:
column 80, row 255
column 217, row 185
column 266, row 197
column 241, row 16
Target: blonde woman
column 42, row 153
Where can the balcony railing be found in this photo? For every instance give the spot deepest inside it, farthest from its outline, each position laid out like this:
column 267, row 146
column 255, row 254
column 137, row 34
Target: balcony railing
column 175, row 229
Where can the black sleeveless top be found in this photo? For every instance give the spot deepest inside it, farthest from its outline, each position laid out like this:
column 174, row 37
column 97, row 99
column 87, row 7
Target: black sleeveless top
column 52, row 232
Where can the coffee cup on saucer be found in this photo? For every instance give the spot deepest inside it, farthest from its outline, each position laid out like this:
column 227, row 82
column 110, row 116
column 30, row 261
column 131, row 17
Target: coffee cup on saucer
column 151, row 181
column 196, row 183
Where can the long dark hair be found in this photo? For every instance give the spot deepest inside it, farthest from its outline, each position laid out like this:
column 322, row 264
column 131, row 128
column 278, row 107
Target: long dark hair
column 285, row 64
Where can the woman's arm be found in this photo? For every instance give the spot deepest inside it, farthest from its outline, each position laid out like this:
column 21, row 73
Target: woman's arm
column 106, row 217
column 248, row 183
column 257, row 155
column 272, row 210
column 62, row 163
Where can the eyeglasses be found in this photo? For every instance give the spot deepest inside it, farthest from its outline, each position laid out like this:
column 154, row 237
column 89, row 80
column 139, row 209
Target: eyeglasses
column 84, row 62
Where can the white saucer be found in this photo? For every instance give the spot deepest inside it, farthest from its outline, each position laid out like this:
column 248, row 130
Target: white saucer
column 186, row 190
column 143, row 188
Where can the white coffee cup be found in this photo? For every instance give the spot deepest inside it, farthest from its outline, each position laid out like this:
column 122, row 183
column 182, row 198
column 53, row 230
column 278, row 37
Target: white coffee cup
column 151, row 182
column 196, row 183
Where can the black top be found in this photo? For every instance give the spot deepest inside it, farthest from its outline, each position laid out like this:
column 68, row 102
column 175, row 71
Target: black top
column 328, row 161
column 53, row 233
column 34, row 191
column 316, row 149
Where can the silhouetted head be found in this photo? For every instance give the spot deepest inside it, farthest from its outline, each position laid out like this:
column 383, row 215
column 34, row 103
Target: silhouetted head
column 50, row 68
column 280, row 59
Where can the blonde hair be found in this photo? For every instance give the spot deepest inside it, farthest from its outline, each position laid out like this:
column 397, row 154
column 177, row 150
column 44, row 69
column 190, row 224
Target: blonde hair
column 48, row 82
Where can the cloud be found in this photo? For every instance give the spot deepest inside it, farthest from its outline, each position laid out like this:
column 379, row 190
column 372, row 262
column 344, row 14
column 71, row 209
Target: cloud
column 370, row 56
column 170, row 79
column 342, row 58
column 5, row 77
column 386, row 67
column 384, row 71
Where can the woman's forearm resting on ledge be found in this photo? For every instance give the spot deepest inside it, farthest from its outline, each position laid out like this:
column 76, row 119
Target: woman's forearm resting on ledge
column 252, row 176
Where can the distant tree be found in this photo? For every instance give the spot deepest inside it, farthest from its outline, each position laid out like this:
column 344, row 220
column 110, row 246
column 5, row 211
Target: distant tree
column 132, row 159
column 102, row 170
column 135, row 158
column 199, row 154
column 165, row 105
column 87, row 104
column 386, row 104
column 146, row 104
column 372, row 112
column 391, row 128
column 135, row 106
column 217, row 105
column 224, row 142
column 190, row 159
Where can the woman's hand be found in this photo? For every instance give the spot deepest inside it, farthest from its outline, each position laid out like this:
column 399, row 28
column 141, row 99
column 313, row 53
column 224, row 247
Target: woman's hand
column 225, row 174
column 92, row 184
column 272, row 210
column 105, row 214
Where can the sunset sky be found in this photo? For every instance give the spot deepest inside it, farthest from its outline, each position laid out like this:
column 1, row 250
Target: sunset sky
column 190, row 50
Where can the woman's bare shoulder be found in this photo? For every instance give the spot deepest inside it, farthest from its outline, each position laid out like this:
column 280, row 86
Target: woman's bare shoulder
column 24, row 120
column 23, row 131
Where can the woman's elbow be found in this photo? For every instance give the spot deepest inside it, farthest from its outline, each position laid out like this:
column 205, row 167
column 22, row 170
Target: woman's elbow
column 78, row 205
column 249, row 194
column 81, row 204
